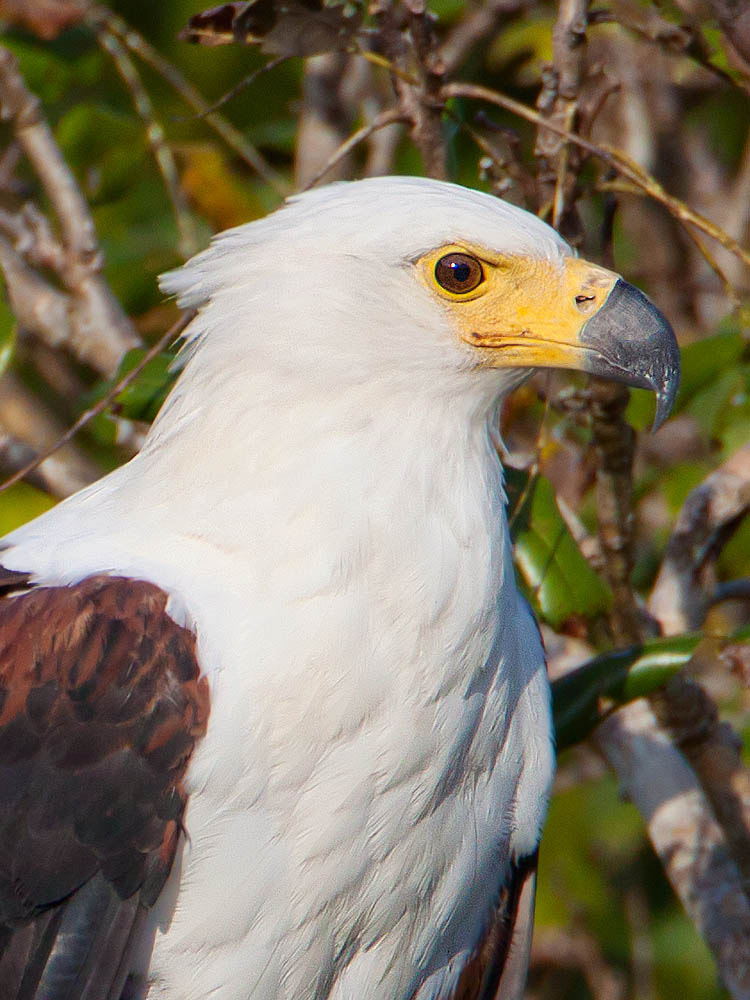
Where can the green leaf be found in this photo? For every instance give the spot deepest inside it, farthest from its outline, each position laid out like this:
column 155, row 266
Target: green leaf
column 558, row 579
column 22, row 503
column 7, row 334
column 144, row 396
column 708, row 360
column 619, row 676
column 709, row 376
column 525, row 45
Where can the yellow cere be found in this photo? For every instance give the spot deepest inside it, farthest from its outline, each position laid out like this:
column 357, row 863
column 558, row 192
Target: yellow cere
column 526, row 312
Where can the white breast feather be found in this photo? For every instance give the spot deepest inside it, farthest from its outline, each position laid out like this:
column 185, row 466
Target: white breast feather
column 379, row 739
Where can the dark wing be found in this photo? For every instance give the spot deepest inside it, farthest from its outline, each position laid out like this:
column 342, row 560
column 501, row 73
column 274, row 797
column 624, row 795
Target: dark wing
column 101, row 704
column 498, row 970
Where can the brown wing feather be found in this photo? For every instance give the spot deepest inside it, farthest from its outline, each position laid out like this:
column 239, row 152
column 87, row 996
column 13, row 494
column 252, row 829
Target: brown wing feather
column 101, row 704
column 498, row 970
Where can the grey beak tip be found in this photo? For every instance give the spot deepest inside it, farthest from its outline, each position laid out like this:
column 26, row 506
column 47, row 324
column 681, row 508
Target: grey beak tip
column 665, row 398
column 635, row 344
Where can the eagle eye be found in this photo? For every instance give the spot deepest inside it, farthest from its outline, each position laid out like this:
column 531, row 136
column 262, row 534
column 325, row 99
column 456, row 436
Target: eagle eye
column 459, row 273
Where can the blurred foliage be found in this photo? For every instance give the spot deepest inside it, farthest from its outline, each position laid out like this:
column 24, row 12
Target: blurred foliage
column 555, row 577
column 666, row 107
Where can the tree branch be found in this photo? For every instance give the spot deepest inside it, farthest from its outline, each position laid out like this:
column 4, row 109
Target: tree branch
column 99, row 331
column 685, row 835
column 558, row 103
column 644, row 181
column 101, row 405
column 137, row 44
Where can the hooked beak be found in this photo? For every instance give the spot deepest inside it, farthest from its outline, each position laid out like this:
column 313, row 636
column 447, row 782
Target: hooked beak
column 536, row 313
column 631, row 341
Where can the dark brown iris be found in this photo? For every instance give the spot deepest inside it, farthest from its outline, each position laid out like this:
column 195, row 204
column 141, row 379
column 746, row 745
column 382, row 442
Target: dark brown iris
column 459, row 273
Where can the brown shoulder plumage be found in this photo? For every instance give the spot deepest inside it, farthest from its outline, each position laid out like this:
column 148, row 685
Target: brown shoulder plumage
column 101, row 704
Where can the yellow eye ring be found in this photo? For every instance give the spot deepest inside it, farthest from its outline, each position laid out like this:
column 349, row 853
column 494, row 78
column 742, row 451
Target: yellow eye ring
column 459, row 273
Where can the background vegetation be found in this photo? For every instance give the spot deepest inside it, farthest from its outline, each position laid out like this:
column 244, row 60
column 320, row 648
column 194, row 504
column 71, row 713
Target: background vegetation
column 625, row 124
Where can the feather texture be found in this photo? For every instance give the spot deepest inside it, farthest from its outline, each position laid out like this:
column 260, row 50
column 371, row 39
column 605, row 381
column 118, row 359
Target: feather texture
column 321, row 501
column 101, row 707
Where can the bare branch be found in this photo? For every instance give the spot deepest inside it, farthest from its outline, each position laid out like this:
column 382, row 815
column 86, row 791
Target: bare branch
column 99, row 330
column 734, row 19
column 29, row 426
column 644, row 181
column 685, row 835
column 687, row 579
column 324, row 121
column 137, row 44
column 614, row 441
column 171, row 334
column 680, row 599
column 39, row 307
column 53, row 475
column 578, row 950
column 417, row 74
column 558, row 104
column 188, row 234
column 361, row 135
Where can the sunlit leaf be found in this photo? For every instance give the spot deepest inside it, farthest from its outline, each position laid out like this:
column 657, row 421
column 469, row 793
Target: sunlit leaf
column 22, row 503
column 619, row 677
column 7, row 333
column 706, row 360
column 526, row 46
column 215, row 192
column 705, row 364
column 558, row 579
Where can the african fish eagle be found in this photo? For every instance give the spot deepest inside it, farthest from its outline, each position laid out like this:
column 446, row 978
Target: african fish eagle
column 274, row 718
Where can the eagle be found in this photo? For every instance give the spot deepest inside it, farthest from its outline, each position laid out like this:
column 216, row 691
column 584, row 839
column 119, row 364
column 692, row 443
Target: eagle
column 274, row 718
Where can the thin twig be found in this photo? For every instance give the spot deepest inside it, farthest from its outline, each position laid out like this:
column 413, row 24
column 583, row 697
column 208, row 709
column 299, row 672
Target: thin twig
column 188, row 234
column 325, row 118
column 687, row 40
column 28, row 420
column 191, row 95
column 558, row 104
column 614, row 441
column 687, row 577
column 361, row 135
column 613, row 157
column 244, row 83
column 100, row 330
column 171, row 334
column 39, row 307
column 416, row 75
column 51, row 476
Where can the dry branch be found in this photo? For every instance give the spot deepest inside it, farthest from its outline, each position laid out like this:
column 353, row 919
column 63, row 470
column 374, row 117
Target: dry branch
column 324, row 121
column 417, row 74
column 53, row 475
column 131, row 39
column 28, row 428
column 685, row 835
column 99, row 332
column 679, row 601
column 614, row 441
column 188, row 234
column 99, row 407
column 475, row 28
column 687, row 578
column 382, row 120
column 644, row 182
column 558, row 103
